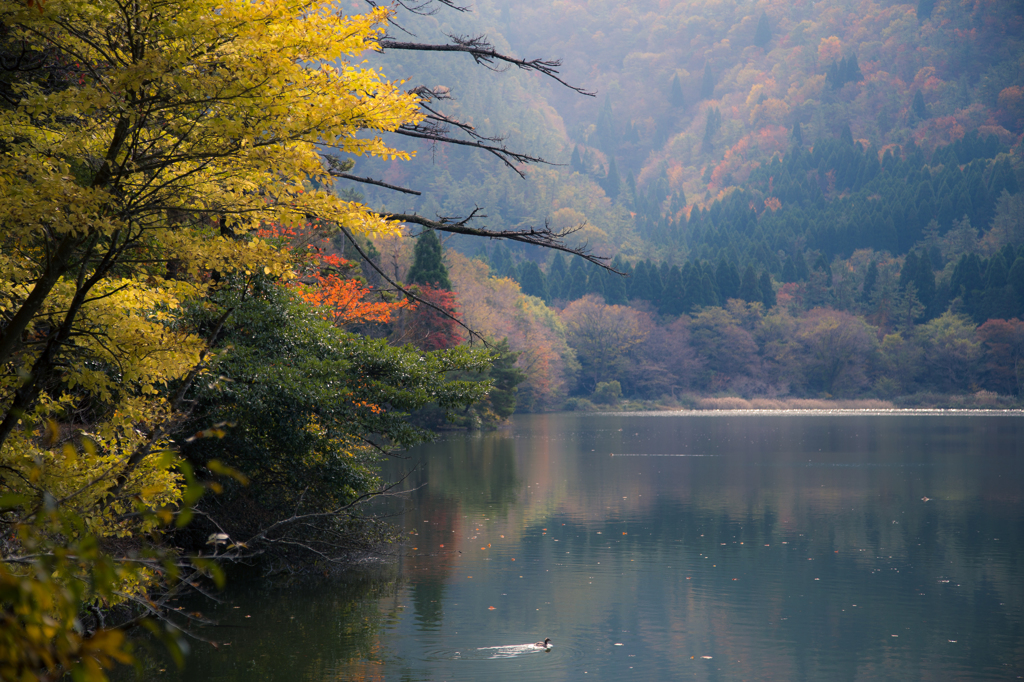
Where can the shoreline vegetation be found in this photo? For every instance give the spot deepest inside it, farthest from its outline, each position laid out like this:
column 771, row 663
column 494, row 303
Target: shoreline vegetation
column 979, row 401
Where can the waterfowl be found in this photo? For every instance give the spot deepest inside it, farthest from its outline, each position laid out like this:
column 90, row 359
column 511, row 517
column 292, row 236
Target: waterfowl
column 546, row 644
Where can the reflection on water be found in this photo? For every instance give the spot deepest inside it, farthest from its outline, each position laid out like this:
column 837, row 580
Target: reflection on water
column 511, row 651
column 779, row 547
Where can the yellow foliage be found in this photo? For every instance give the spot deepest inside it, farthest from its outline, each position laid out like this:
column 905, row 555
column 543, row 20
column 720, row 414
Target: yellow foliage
column 772, row 111
column 134, row 172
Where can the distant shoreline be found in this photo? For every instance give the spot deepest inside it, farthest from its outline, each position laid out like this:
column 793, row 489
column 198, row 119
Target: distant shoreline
column 981, row 403
column 796, row 411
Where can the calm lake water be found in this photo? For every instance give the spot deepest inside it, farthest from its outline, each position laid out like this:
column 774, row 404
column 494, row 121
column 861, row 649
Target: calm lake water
column 709, row 546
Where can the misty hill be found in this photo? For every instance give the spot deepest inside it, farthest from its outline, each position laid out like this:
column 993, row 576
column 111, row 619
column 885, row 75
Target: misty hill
column 842, row 125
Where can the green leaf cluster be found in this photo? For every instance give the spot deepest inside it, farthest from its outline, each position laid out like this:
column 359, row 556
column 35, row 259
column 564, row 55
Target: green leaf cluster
column 310, row 408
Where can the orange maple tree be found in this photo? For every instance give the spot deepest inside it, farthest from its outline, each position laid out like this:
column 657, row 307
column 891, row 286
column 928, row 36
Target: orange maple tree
column 434, row 326
column 327, row 280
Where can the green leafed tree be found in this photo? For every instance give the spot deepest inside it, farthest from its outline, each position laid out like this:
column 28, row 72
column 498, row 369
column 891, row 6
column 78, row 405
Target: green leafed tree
column 310, row 409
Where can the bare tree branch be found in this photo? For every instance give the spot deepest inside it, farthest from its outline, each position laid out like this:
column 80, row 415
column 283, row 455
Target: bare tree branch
column 545, row 237
column 439, row 134
column 423, row 7
column 371, row 181
column 483, row 53
column 405, row 291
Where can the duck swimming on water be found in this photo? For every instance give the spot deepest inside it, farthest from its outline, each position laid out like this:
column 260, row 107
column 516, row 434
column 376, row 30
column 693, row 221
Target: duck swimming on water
column 546, row 644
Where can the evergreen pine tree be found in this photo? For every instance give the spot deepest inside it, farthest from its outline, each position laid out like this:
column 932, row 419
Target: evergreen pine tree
column 1016, row 282
column 924, row 282
column 727, row 280
column 846, row 135
column 615, row 285
column 750, row 290
column 506, row 377
column 631, row 185
column 870, row 278
column 924, row 9
column 509, row 270
column 640, row 284
column 576, row 162
column 428, row 262
column 633, row 134
column 577, row 287
column 711, row 127
column 678, row 202
column 1009, row 255
column 595, row 282
column 801, row 267
column 691, row 277
column 797, row 134
column 763, row 34
column 555, row 283
column 919, row 108
column 675, row 93
column 673, row 296
column 909, row 270
column 789, row 270
column 499, row 258
column 767, row 291
column 531, row 279
column 821, row 263
column 558, row 266
column 851, row 70
column 708, row 295
column 996, row 275
column 662, row 130
column 606, row 138
column 1003, row 179
column 707, row 84
column 611, row 181
column 654, row 277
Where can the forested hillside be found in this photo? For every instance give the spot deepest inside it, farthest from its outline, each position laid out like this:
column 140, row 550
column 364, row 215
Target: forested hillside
column 856, row 158
column 693, row 100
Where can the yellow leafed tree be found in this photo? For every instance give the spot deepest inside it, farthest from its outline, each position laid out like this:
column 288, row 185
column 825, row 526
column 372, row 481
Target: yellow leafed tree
column 140, row 144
